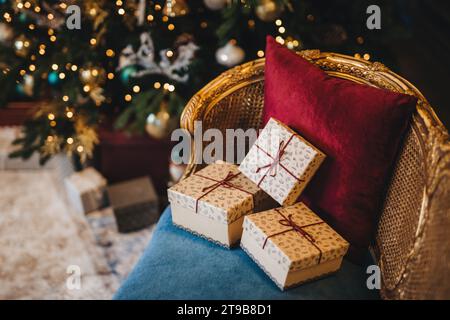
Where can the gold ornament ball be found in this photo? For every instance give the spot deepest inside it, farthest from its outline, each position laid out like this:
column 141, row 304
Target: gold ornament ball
column 160, row 124
column 268, row 10
column 175, row 8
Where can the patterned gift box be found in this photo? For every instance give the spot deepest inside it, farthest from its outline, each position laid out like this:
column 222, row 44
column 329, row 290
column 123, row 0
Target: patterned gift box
column 86, row 190
column 281, row 162
column 292, row 244
column 212, row 202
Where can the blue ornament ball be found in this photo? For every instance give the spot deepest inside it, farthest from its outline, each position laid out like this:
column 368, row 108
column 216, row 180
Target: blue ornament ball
column 53, row 78
column 127, row 73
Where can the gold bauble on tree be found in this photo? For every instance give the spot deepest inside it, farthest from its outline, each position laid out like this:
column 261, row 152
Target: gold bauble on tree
column 161, row 124
column 268, row 10
column 175, row 8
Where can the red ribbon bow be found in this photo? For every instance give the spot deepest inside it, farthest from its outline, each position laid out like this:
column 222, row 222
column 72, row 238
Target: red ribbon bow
column 225, row 182
column 289, row 222
column 276, row 161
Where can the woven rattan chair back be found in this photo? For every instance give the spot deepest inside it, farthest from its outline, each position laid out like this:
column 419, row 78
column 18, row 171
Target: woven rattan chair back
column 412, row 243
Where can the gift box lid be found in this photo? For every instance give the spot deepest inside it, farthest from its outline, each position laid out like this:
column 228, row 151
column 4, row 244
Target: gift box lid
column 86, row 180
column 219, row 192
column 131, row 192
column 281, row 162
column 295, row 237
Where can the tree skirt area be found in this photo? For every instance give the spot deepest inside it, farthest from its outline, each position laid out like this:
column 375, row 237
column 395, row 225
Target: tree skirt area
column 41, row 236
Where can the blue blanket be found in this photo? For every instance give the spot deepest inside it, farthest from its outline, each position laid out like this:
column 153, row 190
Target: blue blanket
column 179, row 265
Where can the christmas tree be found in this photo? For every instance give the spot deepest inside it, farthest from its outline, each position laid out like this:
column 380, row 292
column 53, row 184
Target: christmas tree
column 138, row 61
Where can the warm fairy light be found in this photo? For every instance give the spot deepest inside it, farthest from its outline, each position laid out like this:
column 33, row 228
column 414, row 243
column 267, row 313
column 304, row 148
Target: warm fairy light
column 171, row 88
column 110, row 53
column 62, row 75
column 80, row 149
column 50, row 32
column 203, row 24
column 295, row 43
column 65, row 98
column 128, row 97
column 69, row 140
column 27, row 5
column 63, row 6
column 366, row 56
column 26, row 44
column 50, row 138
column 55, row 66
column 51, row 116
column 93, row 12
column 157, row 85
column 42, row 46
column 171, row 27
column 281, row 29
column 165, row 18
column 280, row 40
column 278, row 22
column 31, row 27
column 118, row 3
column 52, row 38
column 110, row 76
column 20, row 5
column 94, row 72
column 157, row 7
column 22, row 72
column 86, row 88
column 52, row 123
column 37, row 9
column 136, row 89
column 121, row 11
column 166, row 86
column 69, row 114
column 357, row 55
column 50, row 16
column 74, row 67
column 150, row 17
column 251, row 23
column 32, row 67
column 93, row 41
column 169, row 53
column 260, row 53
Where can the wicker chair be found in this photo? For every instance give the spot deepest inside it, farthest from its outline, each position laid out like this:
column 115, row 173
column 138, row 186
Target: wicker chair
column 412, row 244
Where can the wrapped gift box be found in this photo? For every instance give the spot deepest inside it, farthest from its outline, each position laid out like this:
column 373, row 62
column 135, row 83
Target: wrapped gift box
column 135, row 204
column 281, row 162
column 292, row 245
column 86, row 190
column 212, row 203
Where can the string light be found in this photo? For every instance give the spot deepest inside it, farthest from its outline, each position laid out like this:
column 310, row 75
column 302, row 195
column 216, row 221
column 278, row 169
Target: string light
column 86, row 88
column 74, row 67
column 150, row 18
column 128, row 98
column 118, row 3
column 52, row 123
column 136, row 89
column 169, row 53
column 165, row 18
column 37, row 9
column 366, row 56
column 110, row 53
column 62, row 75
column 260, row 53
column 51, row 116
column 52, row 38
column 55, row 67
column 121, row 11
column 69, row 114
column 80, row 149
column 65, row 98
column 171, row 27
column 278, row 22
column 27, row 5
column 32, row 67
column 69, row 140
column 281, row 29
column 157, row 7
column 50, row 16
column 171, row 88
column 157, row 85
column 110, row 76
column 93, row 41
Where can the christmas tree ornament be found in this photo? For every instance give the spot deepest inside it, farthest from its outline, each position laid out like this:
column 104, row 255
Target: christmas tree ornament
column 268, row 10
column 6, row 33
column 215, row 4
column 53, row 78
column 160, row 125
column 127, row 73
column 230, row 54
column 175, row 8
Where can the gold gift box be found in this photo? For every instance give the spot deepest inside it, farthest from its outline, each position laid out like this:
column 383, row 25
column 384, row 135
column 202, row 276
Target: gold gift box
column 292, row 245
column 212, row 203
column 281, row 162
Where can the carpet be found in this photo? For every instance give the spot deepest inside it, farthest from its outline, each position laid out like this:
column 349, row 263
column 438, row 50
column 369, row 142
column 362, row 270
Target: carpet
column 41, row 237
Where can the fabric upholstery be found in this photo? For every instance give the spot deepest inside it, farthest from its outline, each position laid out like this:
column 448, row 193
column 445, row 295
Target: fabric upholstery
column 179, row 265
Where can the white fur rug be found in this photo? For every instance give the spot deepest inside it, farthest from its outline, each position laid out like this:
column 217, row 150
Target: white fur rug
column 40, row 237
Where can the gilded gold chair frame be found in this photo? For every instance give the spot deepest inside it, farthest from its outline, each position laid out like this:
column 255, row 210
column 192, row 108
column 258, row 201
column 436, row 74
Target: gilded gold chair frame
column 412, row 242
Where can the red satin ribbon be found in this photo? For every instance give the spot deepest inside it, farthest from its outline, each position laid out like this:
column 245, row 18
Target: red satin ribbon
column 288, row 222
column 276, row 161
column 225, row 182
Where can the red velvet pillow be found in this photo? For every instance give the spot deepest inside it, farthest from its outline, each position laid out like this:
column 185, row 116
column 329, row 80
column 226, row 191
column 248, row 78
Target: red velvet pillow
column 359, row 128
